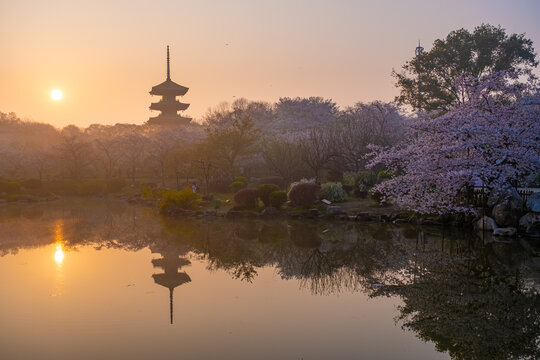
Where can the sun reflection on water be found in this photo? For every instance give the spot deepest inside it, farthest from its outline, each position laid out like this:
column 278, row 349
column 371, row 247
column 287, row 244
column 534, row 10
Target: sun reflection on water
column 59, row 255
column 58, row 240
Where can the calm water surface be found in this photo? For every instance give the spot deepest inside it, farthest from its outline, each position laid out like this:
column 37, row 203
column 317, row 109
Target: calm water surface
column 107, row 280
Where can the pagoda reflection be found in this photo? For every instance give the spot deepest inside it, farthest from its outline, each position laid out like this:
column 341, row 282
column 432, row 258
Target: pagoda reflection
column 172, row 277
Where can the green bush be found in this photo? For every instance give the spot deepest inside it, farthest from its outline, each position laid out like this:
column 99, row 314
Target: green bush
column 264, row 192
column 278, row 198
column 147, row 193
column 116, row 185
column 242, row 179
column 333, row 191
column 384, row 175
column 91, row 187
column 184, row 199
column 238, row 185
column 216, row 203
column 364, row 177
column 10, row 187
column 247, row 198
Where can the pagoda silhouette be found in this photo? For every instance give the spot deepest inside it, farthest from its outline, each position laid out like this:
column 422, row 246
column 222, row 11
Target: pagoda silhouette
column 168, row 105
column 171, row 277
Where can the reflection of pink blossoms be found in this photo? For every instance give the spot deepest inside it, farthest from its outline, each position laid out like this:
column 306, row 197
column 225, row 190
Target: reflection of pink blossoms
column 493, row 136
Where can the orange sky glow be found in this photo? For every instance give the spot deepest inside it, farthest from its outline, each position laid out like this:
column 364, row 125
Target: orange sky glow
column 106, row 55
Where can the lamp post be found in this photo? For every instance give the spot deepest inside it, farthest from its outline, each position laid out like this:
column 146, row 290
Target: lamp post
column 417, row 52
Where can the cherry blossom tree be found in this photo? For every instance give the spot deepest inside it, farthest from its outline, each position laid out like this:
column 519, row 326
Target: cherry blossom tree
column 494, row 135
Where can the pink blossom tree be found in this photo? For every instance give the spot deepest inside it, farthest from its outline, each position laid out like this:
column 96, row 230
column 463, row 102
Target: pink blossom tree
column 493, row 135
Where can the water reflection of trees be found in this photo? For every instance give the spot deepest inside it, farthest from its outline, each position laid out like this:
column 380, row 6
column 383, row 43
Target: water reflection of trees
column 473, row 300
column 471, row 303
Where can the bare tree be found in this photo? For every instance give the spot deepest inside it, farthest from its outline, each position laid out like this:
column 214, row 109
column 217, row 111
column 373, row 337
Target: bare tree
column 318, row 148
column 74, row 151
column 282, row 157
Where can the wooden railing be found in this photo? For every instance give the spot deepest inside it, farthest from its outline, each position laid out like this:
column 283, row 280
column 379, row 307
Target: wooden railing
column 479, row 197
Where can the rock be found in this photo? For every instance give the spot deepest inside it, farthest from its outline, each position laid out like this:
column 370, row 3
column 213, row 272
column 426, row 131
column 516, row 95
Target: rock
column 333, row 210
column 506, row 213
column 530, row 224
column 269, row 211
column 533, row 202
column 327, row 202
column 500, row 195
column 209, row 212
column 507, row 206
column 485, row 223
column 509, row 231
column 313, row 212
column 362, row 216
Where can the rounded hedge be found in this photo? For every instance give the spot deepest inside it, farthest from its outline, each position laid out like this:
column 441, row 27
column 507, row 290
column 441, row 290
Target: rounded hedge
column 246, row 198
column 264, row 192
column 304, row 194
column 277, row 198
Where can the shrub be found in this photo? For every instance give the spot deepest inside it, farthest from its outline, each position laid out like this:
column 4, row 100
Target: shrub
column 116, row 185
column 216, row 203
column 278, row 198
column 147, row 193
column 246, row 198
column 304, row 194
column 264, row 192
column 276, row 180
column 365, row 177
column 32, row 184
column 240, row 182
column 91, row 187
column 10, row 187
column 333, row 191
column 237, row 185
column 184, row 199
column 301, row 181
column 377, row 196
column 384, row 175
column 242, row 179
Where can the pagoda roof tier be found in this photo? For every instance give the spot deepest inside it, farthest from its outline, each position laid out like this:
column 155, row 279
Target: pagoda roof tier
column 168, row 120
column 178, row 262
column 169, row 105
column 169, row 87
column 171, row 280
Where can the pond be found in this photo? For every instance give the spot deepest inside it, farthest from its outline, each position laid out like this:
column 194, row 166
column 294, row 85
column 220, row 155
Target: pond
column 102, row 279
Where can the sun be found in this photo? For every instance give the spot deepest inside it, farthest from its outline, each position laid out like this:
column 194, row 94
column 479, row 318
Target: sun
column 56, row 95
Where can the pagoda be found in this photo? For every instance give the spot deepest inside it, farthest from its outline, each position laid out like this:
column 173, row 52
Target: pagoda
column 168, row 105
column 171, row 277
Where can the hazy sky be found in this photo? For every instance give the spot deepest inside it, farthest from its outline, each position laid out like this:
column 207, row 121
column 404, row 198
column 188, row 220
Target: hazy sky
column 106, row 55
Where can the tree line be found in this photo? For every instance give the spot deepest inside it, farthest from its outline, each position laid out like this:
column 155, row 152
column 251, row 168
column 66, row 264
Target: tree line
column 293, row 138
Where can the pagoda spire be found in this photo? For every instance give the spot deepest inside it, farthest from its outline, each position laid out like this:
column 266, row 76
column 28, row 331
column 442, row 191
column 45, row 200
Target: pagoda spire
column 168, row 65
column 168, row 105
column 171, row 303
